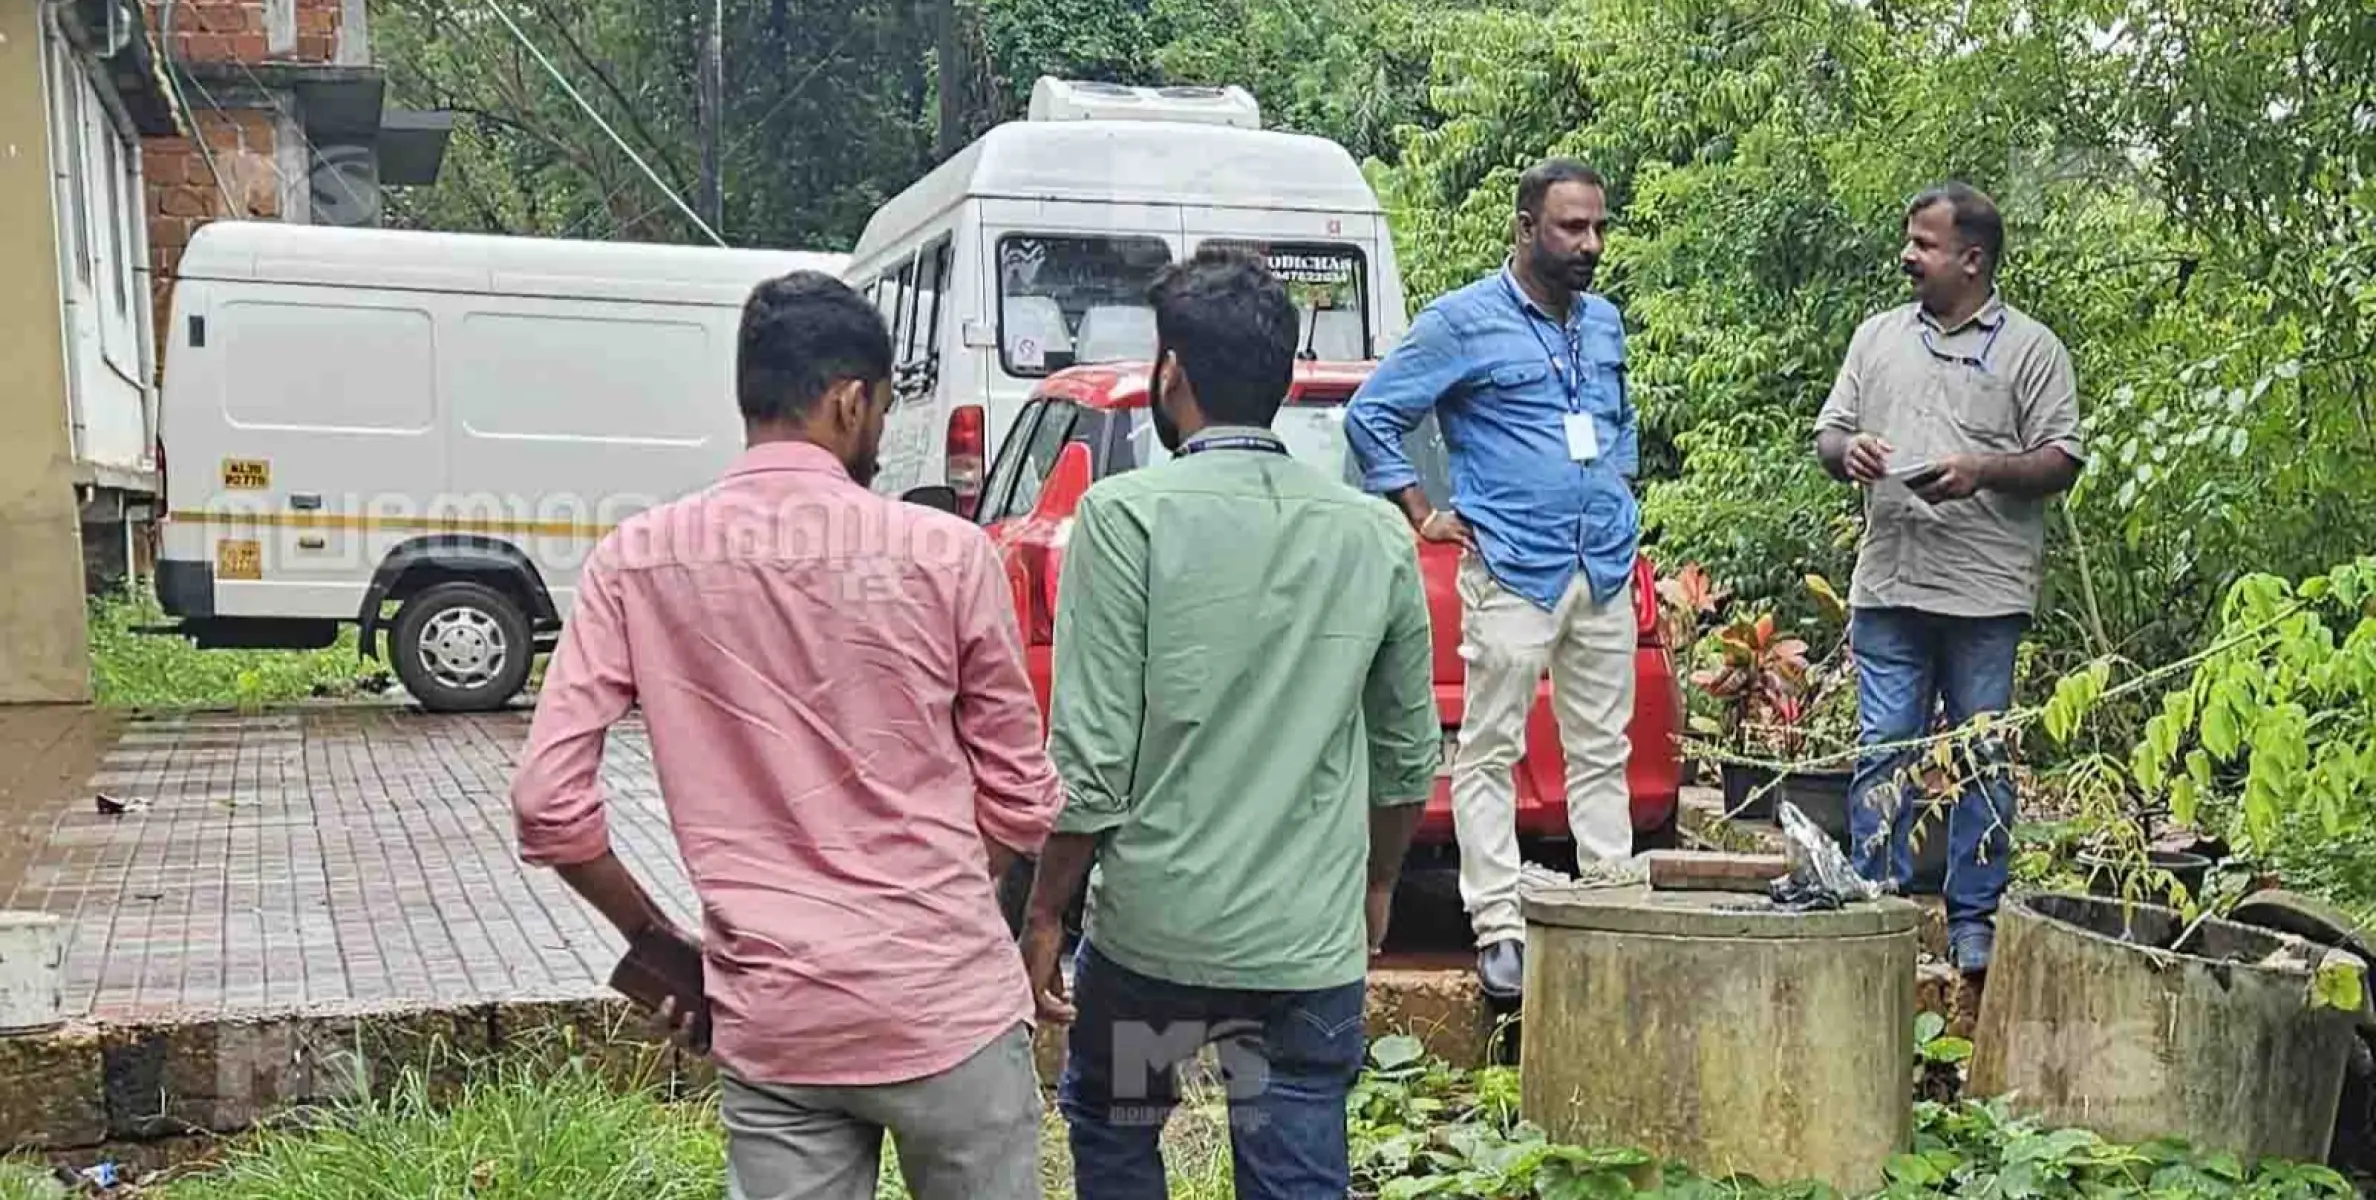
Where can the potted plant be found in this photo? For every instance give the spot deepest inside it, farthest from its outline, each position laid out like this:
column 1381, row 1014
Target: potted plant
column 1688, row 602
column 1755, row 678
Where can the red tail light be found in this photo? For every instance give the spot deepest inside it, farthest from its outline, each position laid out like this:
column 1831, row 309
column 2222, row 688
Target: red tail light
column 1645, row 598
column 967, row 438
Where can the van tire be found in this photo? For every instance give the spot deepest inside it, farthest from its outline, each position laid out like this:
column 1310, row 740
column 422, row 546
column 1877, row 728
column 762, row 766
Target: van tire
column 444, row 639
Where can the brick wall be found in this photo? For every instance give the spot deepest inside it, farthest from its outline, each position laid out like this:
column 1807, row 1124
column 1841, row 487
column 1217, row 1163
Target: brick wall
column 183, row 194
column 251, row 31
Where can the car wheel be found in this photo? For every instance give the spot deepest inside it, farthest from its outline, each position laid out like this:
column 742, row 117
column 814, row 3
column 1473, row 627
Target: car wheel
column 462, row 647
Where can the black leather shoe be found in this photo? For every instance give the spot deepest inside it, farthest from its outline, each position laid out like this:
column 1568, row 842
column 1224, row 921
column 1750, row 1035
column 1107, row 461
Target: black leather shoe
column 1501, row 970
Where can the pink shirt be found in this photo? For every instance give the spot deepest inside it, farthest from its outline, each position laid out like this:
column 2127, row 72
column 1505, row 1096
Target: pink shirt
column 835, row 691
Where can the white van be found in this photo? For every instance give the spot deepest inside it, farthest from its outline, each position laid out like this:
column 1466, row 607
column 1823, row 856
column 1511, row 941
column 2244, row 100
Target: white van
column 360, row 420
column 1031, row 250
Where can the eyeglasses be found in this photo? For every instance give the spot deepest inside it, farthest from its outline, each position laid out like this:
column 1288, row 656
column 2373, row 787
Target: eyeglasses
column 1930, row 343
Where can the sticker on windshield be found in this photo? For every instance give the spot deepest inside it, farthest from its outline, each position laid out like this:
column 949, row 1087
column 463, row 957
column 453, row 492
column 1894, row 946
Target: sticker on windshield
column 1319, row 270
column 1028, row 356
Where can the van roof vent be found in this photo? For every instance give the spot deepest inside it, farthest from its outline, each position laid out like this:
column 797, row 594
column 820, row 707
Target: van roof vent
column 1055, row 99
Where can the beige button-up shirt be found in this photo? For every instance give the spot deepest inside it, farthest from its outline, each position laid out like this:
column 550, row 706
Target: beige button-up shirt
column 2000, row 383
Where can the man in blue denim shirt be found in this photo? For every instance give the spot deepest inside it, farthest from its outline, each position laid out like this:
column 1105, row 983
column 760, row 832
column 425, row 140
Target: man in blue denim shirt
column 1525, row 370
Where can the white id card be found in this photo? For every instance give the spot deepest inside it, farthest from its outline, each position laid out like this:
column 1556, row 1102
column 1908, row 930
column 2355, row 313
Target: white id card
column 1583, row 437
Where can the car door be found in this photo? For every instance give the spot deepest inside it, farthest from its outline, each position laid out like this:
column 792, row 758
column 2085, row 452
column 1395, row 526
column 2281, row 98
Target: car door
column 1029, row 545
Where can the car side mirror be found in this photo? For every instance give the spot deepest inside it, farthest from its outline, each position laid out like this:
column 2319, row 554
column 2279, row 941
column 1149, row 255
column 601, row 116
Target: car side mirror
column 933, row 495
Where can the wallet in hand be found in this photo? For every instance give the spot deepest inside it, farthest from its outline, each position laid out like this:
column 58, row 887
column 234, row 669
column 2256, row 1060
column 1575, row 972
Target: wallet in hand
column 662, row 963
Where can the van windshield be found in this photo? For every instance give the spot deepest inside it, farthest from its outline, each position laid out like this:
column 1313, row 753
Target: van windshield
column 1075, row 298
column 1330, row 286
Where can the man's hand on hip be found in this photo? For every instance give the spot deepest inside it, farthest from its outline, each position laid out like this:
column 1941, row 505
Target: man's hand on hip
column 1445, row 526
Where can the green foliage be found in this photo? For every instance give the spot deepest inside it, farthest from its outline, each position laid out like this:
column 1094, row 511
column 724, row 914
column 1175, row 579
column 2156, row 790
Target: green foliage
column 136, row 670
column 25, row 1178
column 1933, row 1045
column 1422, row 1129
column 2274, row 734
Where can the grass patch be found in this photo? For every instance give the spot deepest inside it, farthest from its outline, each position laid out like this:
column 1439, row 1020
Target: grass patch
column 137, row 670
column 527, row 1131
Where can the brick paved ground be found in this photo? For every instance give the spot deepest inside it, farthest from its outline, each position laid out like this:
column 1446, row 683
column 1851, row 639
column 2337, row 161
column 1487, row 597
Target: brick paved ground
column 347, row 858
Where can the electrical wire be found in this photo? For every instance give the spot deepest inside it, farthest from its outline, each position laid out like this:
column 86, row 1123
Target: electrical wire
column 172, row 73
column 521, row 36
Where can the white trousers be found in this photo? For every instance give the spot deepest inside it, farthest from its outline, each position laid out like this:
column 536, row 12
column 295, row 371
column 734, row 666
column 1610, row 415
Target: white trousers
column 1507, row 643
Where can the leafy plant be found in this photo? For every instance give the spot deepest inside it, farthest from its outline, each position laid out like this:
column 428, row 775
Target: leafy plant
column 131, row 669
column 1773, row 698
column 2271, row 736
column 1420, row 1128
column 1688, row 602
column 1759, row 676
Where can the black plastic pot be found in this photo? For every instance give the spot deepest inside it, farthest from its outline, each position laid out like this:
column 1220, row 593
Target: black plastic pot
column 1740, row 782
column 2191, row 870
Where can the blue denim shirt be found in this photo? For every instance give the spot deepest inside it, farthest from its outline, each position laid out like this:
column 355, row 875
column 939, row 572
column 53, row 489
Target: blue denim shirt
column 1484, row 358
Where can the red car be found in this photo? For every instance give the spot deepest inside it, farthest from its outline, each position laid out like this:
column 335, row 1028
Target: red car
column 1086, row 423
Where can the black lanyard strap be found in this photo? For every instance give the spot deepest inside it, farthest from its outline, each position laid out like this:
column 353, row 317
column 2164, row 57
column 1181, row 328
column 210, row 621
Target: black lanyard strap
column 1247, row 442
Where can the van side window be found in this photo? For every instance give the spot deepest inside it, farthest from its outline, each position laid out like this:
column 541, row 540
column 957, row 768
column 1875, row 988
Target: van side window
column 1064, row 300
column 902, row 317
column 931, row 278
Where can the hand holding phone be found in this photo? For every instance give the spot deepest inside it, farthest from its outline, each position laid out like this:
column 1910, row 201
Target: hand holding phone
column 662, row 971
column 1919, row 475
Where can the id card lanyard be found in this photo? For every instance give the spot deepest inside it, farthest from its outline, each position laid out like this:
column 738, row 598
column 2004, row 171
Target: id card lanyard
column 1583, row 435
column 1231, row 442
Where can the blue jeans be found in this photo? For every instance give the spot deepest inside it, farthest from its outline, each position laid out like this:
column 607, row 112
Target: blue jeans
column 1288, row 1061
column 1908, row 663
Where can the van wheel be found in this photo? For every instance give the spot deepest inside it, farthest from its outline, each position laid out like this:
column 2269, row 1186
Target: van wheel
column 462, row 647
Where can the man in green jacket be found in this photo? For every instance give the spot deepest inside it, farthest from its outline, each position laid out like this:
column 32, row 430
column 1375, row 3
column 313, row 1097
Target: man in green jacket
column 1244, row 720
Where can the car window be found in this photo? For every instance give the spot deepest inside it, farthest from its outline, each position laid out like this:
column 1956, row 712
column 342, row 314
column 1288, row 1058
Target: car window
column 1039, row 457
column 1002, row 471
column 1314, row 433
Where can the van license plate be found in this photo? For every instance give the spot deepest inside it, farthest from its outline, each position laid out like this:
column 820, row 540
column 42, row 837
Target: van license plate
column 239, row 559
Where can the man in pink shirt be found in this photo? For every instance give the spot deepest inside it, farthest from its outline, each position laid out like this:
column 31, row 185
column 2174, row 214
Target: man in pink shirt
column 850, row 755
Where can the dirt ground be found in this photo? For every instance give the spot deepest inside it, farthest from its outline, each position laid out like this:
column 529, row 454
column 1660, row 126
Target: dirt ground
column 48, row 754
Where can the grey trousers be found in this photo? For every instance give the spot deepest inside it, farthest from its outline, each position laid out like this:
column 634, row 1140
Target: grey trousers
column 968, row 1133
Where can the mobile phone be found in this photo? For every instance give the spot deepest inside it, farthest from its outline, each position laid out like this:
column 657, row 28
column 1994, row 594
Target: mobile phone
column 662, row 964
column 1924, row 477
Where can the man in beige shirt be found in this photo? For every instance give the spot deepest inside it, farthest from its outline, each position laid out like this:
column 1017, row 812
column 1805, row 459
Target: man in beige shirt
column 1959, row 416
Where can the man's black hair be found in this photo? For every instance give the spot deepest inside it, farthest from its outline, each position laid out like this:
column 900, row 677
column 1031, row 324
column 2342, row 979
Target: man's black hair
column 1229, row 321
column 1976, row 218
column 1549, row 173
column 800, row 334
